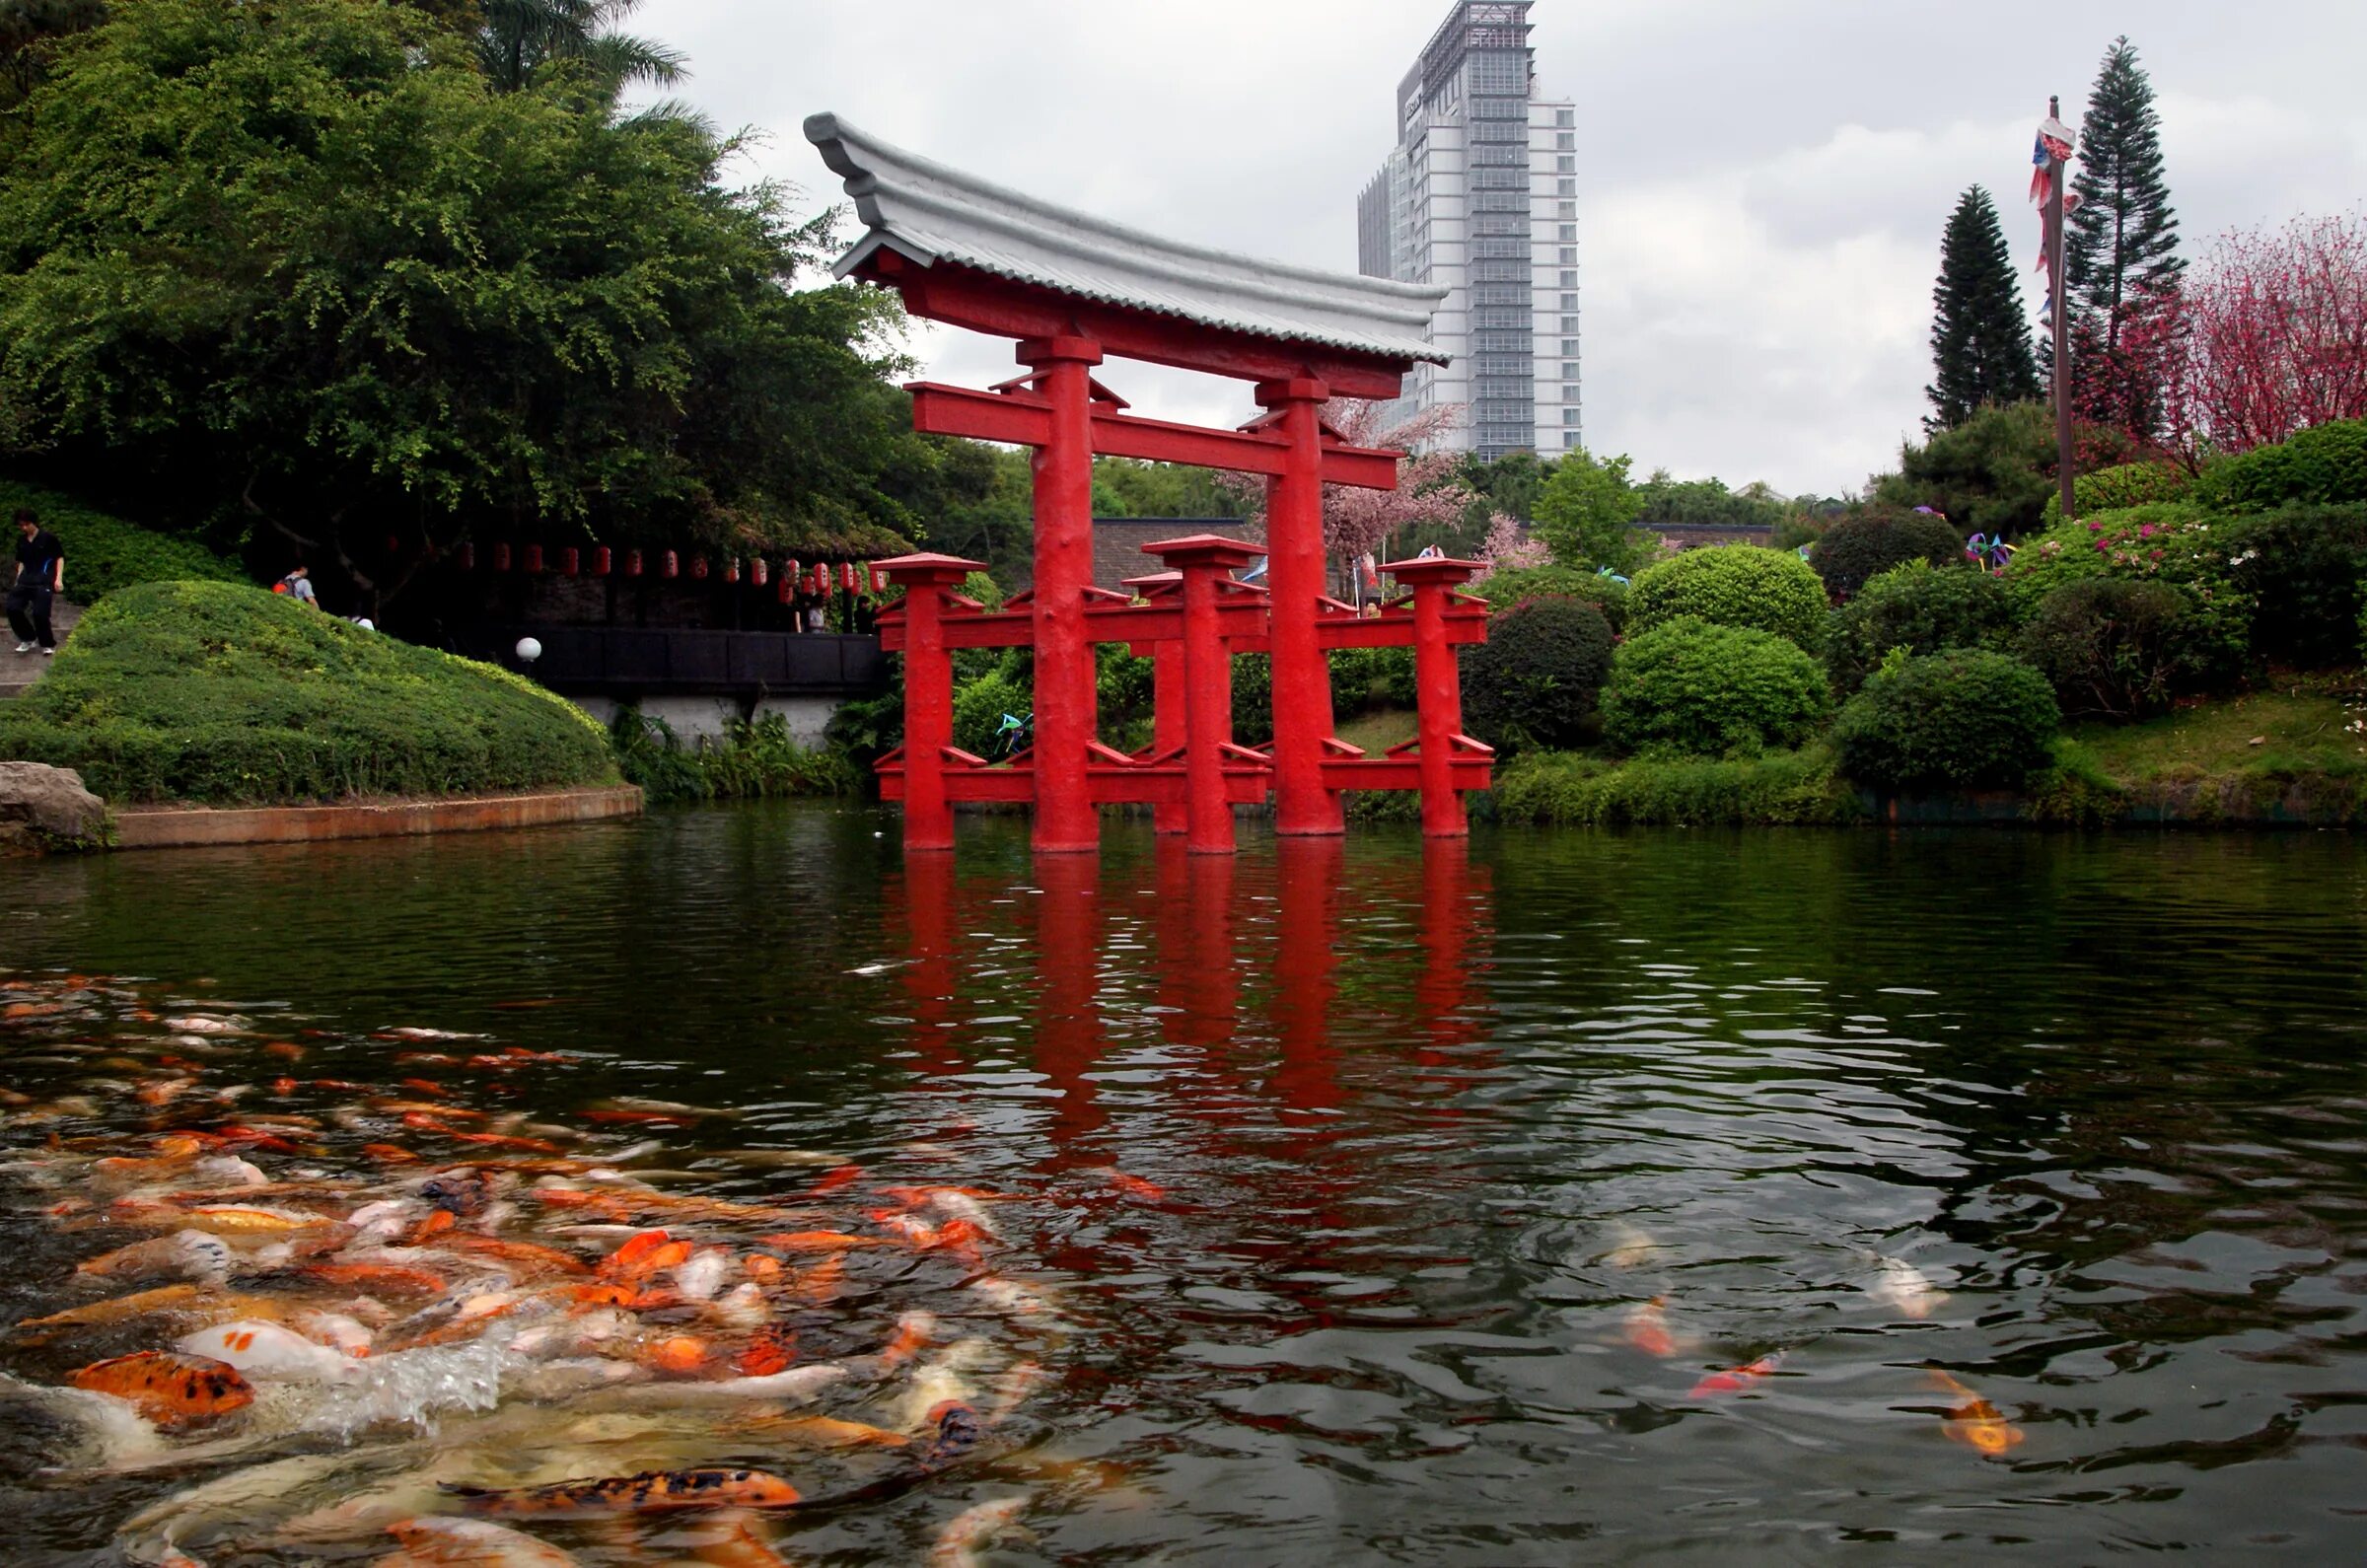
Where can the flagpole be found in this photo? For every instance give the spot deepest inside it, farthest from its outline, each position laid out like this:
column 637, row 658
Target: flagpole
column 2058, row 170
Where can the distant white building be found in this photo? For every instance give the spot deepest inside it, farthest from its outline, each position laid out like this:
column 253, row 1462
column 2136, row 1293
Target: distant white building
column 1480, row 198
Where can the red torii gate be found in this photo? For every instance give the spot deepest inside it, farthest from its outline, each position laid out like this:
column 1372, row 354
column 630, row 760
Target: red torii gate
column 1071, row 289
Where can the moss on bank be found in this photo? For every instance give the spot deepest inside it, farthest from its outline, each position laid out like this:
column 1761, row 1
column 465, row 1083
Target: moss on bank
column 1780, row 789
column 225, row 694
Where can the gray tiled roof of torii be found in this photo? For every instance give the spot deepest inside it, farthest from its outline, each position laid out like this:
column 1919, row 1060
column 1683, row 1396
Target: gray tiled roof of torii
column 927, row 212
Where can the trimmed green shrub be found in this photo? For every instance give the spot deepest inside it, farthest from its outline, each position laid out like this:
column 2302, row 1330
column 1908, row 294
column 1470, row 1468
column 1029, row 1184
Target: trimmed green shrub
column 1535, row 680
column 1780, row 789
column 1920, row 607
column 1866, row 542
column 1733, row 585
column 2111, row 649
column 1254, row 699
column 978, row 709
column 2125, row 485
column 2304, row 564
column 2326, row 463
column 2171, row 542
column 1509, row 587
column 1709, row 691
column 222, row 693
column 1364, row 678
column 105, row 553
column 1967, row 718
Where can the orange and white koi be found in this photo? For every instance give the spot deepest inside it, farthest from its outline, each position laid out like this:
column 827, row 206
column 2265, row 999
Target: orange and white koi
column 1903, row 1288
column 956, row 1544
column 267, row 1350
column 1976, row 1423
column 169, row 1389
column 184, row 1254
column 431, row 1542
column 1648, row 1328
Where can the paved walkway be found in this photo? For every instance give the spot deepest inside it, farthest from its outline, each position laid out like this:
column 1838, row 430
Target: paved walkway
column 15, row 673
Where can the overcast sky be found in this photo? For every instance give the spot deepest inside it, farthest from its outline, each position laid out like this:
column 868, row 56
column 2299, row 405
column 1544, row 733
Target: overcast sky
column 1762, row 184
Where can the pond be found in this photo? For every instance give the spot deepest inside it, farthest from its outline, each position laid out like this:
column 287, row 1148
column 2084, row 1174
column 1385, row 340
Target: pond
column 1687, row 1195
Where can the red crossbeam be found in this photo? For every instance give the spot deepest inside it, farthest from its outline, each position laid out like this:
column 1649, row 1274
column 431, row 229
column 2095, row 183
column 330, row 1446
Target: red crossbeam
column 1025, row 419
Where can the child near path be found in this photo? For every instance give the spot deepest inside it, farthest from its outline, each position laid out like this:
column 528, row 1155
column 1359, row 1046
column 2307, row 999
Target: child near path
column 41, row 577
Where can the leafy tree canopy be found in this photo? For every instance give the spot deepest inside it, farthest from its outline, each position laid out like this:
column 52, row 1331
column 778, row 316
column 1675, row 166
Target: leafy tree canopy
column 1584, row 512
column 1665, row 502
column 1990, row 474
column 297, row 270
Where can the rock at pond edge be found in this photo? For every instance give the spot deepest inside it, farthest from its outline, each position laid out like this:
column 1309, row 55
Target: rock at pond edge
column 45, row 810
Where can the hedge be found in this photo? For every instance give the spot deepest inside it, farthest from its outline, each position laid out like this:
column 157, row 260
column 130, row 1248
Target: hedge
column 1690, row 686
column 2128, row 484
column 1967, row 718
column 1733, row 585
column 103, row 552
column 1920, row 607
column 1871, row 540
column 1780, row 789
column 1506, row 588
column 2113, row 649
column 2326, row 464
column 1536, row 680
column 222, row 693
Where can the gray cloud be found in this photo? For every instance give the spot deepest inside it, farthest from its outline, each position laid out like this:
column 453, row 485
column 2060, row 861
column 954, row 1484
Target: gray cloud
column 1764, row 185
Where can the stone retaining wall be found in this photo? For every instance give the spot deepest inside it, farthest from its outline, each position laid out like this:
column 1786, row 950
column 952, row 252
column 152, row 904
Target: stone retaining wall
column 159, row 827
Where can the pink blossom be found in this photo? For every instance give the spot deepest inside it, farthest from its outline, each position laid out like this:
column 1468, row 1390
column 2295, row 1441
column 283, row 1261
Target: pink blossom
column 1428, row 490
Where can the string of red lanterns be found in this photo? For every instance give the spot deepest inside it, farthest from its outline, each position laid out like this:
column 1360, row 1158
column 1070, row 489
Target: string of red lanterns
column 791, row 578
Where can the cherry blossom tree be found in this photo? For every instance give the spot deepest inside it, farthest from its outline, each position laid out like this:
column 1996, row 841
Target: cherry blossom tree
column 1359, row 522
column 2267, row 338
column 1508, row 547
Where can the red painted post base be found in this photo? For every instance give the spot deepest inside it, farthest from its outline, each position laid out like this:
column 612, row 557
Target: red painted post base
column 1438, row 689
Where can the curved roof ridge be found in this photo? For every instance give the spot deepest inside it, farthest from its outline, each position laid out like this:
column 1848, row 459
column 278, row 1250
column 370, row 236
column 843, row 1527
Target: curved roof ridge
column 928, row 211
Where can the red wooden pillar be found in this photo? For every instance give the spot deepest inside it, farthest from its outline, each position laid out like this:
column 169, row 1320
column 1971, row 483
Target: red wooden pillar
column 1167, row 733
column 1065, row 819
column 1438, row 687
column 1205, row 560
column 928, row 582
column 1294, row 541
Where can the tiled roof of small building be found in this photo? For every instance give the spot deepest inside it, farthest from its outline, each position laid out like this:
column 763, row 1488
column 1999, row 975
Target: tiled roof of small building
column 1118, row 542
column 928, row 212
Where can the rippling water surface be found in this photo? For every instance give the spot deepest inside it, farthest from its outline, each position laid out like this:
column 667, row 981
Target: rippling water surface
column 2026, row 1171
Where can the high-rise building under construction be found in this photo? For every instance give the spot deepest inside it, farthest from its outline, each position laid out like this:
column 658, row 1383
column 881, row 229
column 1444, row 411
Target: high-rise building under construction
column 1480, row 198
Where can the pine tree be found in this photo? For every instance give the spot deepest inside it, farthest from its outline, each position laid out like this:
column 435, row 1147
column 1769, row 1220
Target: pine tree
column 2120, row 245
column 1979, row 338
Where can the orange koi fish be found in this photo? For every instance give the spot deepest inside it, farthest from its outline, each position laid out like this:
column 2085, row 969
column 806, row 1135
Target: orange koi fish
column 119, row 1308
column 431, row 1225
column 815, row 1241
column 470, row 1543
column 837, row 1176
column 524, row 1254
column 502, row 1140
column 645, row 1254
column 731, row 1541
column 169, row 1389
column 1976, row 1423
column 819, row 1283
column 650, row 1492
column 379, row 1277
column 1737, row 1380
column 287, row 1050
column 1133, row 1186
column 773, row 1349
column 677, row 1355
column 390, row 1154
column 915, row 1332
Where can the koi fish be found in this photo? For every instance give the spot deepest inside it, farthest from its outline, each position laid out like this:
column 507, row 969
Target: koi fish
column 1737, row 1380
column 815, row 1241
column 430, row 1542
column 521, row 1254
column 1903, row 1288
column 239, row 1220
column 650, row 1492
column 1133, row 1186
column 914, row 1331
column 731, row 1541
column 1648, row 1328
column 184, row 1254
column 773, row 1349
column 1976, row 1423
column 120, row 1308
column 831, row 1180
column 1635, row 1248
column 645, row 1254
column 170, row 1390
column 377, row 1276
column 956, row 1544
column 269, row 1351
column 957, row 1432
column 824, row 1431
column 677, row 1355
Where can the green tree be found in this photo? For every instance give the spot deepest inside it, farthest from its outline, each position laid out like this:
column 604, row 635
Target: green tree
column 29, row 31
column 1584, row 512
column 1990, row 474
column 2120, row 244
column 1664, row 502
column 1980, row 339
column 519, row 36
column 295, row 270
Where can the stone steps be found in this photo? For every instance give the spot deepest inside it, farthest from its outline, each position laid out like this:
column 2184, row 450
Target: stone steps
column 19, row 673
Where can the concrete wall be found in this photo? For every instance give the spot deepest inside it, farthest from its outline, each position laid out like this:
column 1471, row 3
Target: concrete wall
column 704, row 718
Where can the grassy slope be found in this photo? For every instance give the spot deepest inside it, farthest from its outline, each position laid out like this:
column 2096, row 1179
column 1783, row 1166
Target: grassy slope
column 2201, row 764
column 220, row 692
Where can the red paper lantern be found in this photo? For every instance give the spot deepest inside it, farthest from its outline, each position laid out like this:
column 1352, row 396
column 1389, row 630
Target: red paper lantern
column 846, row 575
column 757, row 572
column 670, row 565
column 599, row 560
column 699, row 568
column 879, row 580
column 534, row 558
column 501, row 557
column 632, row 563
column 788, row 588
column 571, row 561
column 731, row 570
column 790, row 569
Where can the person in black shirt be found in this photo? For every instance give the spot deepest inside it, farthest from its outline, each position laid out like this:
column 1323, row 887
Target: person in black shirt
column 40, row 573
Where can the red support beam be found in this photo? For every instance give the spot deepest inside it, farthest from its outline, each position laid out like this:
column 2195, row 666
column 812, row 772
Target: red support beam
column 1304, row 804
column 1438, row 686
column 1065, row 820
column 928, row 581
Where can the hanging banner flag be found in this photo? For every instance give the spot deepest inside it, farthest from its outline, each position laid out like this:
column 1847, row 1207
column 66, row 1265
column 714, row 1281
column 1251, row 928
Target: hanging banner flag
column 2054, row 146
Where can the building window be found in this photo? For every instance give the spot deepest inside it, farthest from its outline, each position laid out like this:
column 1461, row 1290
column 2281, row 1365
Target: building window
column 1569, row 280
column 1566, row 163
column 1569, row 371
column 1569, row 345
column 1566, row 139
column 1565, row 116
column 1569, row 255
column 1569, row 323
column 1569, row 438
column 1570, row 417
column 1566, row 187
column 1570, row 231
column 1569, row 302
column 1566, row 209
